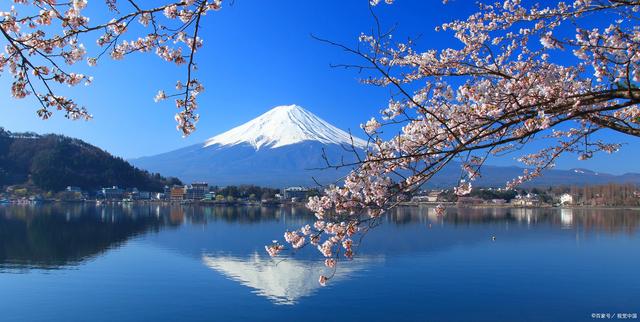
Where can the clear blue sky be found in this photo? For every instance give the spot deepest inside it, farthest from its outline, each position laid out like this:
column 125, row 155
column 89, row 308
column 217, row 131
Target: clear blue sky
column 257, row 55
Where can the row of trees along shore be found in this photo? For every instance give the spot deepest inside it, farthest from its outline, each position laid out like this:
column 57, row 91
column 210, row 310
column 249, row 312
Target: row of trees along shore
column 612, row 194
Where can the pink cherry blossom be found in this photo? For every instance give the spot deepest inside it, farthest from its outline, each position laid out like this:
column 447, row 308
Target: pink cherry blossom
column 53, row 36
column 519, row 73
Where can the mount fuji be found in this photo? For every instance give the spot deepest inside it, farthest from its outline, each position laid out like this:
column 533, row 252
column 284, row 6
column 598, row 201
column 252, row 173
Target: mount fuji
column 281, row 147
column 284, row 147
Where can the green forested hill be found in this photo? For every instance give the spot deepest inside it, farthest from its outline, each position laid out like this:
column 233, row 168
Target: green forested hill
column 52, row 162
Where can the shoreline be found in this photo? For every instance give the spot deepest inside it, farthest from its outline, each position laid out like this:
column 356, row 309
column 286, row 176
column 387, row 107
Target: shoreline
column 301, row 204
column 510, row 206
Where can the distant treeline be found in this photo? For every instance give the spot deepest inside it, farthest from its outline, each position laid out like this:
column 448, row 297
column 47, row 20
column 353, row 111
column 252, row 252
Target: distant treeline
column 247, row 191
column 606, row 195
column 53, row 162
column 251, row 192
column 485, row 194
column 612, row 194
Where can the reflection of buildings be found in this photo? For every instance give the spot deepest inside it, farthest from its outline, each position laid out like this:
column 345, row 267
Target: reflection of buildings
column 406, row 215
column 522, row 214
column 282, row 281
column 176, row 215
column 566, row 217
column 433, row 215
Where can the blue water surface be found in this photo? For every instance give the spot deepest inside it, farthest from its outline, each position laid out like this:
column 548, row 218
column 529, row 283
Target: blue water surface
column 188, row 263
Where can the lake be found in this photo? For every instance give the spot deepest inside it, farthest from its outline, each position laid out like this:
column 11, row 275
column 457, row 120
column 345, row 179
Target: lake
column 188, row 263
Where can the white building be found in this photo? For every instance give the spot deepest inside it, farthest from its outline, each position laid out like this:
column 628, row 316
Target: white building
column 430, row 197
column 528, row 200
column 566, row 199
column 299, row 193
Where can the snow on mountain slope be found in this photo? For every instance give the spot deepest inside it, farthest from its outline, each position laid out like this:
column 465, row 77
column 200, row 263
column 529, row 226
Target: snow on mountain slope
column 285, row 146
column 285, row 125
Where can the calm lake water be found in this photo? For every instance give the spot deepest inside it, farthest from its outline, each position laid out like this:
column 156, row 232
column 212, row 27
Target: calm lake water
column 114, row 263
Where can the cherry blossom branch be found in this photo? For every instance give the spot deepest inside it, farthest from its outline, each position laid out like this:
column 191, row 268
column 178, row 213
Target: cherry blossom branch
column 43, row 43
column 495, row 94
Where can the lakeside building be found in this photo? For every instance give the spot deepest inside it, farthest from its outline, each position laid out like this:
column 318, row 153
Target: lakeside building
column 432, row 196
column 177, row 193
column 566, row 199
column 528, row 200
column 295, row 193
column 420, row 199
column 112, row 193
column 141, row 195
column 469, row 201
column 498, row 201
column 196, row 191
column 131, row 193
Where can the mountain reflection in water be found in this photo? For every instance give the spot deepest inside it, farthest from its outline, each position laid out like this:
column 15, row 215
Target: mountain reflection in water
column 282, row 281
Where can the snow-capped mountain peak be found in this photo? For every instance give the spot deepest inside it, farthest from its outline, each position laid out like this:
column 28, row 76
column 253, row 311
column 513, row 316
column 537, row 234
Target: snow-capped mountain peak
column 284, row 125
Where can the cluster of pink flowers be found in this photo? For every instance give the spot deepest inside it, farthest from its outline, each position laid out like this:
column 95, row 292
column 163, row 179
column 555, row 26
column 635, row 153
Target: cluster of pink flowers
column 41, row 37
column 499, row 89
column 274, row 249
column 511, row 92
column 463, row 188
column 294, row 239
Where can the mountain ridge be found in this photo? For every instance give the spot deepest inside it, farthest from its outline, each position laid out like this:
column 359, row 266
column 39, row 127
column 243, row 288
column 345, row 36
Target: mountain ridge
column 498, row 176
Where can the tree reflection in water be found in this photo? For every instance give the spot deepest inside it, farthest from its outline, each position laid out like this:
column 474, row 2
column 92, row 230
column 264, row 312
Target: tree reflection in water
column 54, row 235
column 605, row 219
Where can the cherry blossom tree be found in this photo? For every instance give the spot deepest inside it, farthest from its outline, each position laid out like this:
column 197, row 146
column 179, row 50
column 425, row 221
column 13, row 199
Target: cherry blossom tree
column 43, row 38
column 559, row 73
